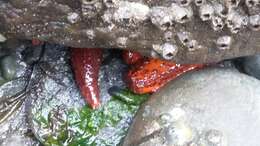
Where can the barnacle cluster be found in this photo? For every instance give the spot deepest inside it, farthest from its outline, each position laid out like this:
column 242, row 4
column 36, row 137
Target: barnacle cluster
column 187, row 40
column 166, row 50
column 90, row 8
column 139, row 25
column 220, row 14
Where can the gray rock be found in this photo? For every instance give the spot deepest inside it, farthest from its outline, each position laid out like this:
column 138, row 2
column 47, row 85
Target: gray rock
column 251, row 65
column 57, row 92
column 8, row 65
column 193, row 31
column 219, row 107
column 14, row 128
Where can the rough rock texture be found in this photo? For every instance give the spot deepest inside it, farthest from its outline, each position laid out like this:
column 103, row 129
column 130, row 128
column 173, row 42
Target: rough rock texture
column 181, row 30
column 43, row 82
column 15, row 85
column 208, row 107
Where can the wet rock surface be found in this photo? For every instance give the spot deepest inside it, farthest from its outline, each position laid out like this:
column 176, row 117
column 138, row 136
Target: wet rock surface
column 210, row 107
column 183, row 31
column 14, row 89
column 37, row 81
column 251, row 65
column 43, row 85
column 59, row 95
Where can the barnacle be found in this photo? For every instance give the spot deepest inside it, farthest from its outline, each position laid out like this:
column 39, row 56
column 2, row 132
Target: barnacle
column 90, row 8
column 252, row 3
column 254, row 21
column 161, row 17
column 231, row 3
column 217, row 23
column 183, row 2
column 2, row 38
column 199, row 2
column 169, row 51
column 131, row 11
column 73, row 17
column 111, row 3
column 181, row 14
column 236, row 21
column 224, row 42
column 206, row 12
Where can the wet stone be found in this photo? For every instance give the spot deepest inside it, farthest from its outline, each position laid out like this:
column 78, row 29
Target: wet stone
column 58, row 83
column 14, row 128
column 221, row 107
column 8, row 66
column 251, row 65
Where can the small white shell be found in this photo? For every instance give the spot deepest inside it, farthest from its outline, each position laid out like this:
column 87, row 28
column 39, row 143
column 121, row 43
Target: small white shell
column 90, row 8
column 169, row 51
column 199, row 2
column 111, row 3
column 255, row 22
column 2, row 38
column 184, row 37
column 235, row 21
column 132, row 11
column 206, row 12
column 90, row 34
column 252, row 3
column 161, row 17
column 192, row 45
column 181, row 14
column 73, row 17
column 122, row 41
column 184, row 2
column 219, row 8
column 217, row 23
column 232, row 3
column 224, row 42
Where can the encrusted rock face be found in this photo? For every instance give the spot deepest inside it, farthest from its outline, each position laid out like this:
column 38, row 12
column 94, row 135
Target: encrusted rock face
column 212, row 107
column 179, row 30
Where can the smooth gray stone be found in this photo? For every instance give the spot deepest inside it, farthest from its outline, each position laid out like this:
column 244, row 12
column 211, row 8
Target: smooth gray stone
column 251, row 65
column 209, row 107
column 8, row 66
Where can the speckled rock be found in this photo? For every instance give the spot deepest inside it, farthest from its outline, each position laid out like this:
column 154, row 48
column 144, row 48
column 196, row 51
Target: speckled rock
column 56, row 92
column 14, row 88
column 251, row 65
column 217, row 107
column 180, row 30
